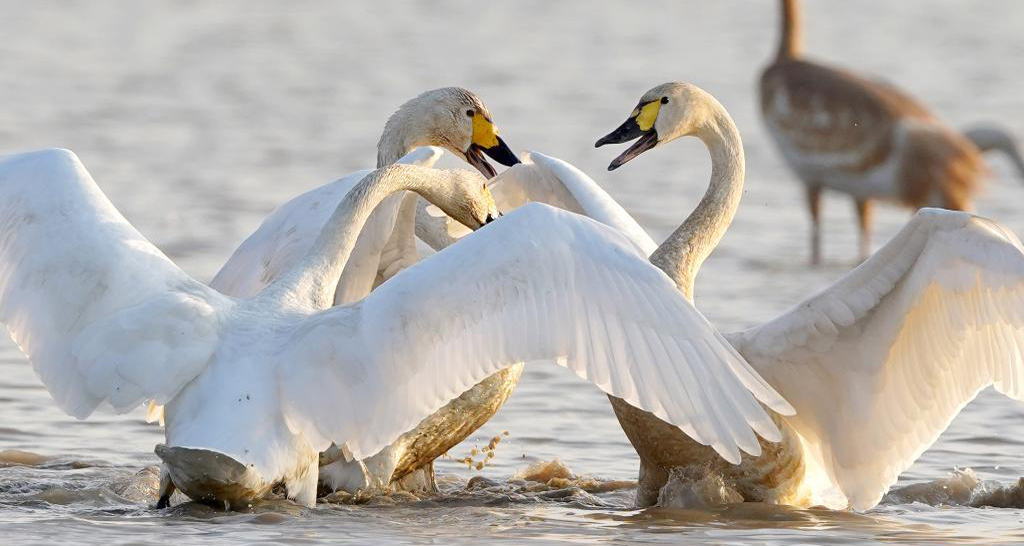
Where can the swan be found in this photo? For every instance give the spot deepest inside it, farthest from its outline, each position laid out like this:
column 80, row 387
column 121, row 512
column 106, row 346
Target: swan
column 254, row 388
column 845, row 132
column 407, row 463
column 876, row 365
column 449, row 118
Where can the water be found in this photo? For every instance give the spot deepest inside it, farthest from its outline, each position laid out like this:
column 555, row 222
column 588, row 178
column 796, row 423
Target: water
column 198, row 118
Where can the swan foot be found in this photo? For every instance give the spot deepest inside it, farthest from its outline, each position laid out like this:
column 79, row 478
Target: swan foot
column 303, row 487
column 166, row 489
column 697, row 486
column 652, row 478
column 421, row 480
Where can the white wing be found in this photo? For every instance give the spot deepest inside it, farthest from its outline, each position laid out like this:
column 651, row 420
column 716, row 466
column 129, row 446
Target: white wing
column 539, row 284
column 101, row 313
column 878, row 364
column 284, row 237
column 541, row 179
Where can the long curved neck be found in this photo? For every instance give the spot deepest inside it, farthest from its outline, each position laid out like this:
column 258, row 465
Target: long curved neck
column 314, row 279
column 682, row 254
column 790, row 39
column 401, row 136
column 402, row 133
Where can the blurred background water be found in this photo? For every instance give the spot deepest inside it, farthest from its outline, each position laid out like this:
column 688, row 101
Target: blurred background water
column 198, row 118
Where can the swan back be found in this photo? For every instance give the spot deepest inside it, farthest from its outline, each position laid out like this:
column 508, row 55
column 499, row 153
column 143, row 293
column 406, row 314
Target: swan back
column 287, row 234
column 559, row 183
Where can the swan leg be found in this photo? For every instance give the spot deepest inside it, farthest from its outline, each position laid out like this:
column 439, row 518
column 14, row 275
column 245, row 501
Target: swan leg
column 302, row 489
column 864, row 209
column 341, row 475
column 166, row 489
column 814, row 207
column 652, row 478
column 421, row 480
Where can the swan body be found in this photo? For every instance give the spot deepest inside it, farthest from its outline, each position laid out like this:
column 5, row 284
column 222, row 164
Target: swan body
column 451, row 119
column 841, row 131
column 255, row 387
column 876, row 365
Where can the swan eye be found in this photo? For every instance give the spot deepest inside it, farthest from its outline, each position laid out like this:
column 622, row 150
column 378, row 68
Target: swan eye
column 664, row 100
column 469, row 113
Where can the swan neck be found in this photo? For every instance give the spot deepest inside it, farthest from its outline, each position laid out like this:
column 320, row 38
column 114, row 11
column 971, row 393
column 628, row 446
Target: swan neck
column 791, row 39
column 392, row 147
column 682, row 254
column 314, row 279
column 403, row 132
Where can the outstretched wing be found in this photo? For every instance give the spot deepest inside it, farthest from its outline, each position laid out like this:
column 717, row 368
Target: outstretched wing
column 541, row 179
column 101, row 313
column 539, row 284
column 545, row 179
column 879, row 363
column 284, row 237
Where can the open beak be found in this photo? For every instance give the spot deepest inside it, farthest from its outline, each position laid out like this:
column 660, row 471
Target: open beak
column 644, row 114
column 626, row 132
column 499, row 152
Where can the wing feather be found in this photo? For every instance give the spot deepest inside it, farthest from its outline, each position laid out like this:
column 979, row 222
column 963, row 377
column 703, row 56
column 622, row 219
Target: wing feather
column 101, row 313
column 878, row 364
column 388, row 350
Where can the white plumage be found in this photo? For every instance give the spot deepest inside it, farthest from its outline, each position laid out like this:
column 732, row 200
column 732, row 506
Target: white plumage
column 285, row 236
column 878, row 364
column 261, row 384
column 76, row 279
column 451, row 118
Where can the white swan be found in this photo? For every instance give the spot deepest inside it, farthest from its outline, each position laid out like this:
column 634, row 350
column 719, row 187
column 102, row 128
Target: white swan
column 254, row 388
column 876, row 365
column 451, row 118
column 289, row 232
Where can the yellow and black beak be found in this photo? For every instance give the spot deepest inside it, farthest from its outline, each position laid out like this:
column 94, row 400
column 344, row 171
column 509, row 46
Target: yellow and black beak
column 639, row 125
column 487, row 141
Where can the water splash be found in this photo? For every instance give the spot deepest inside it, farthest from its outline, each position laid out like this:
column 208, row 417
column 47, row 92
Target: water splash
column 962, row 488
column 544, row 481
column 696, row 486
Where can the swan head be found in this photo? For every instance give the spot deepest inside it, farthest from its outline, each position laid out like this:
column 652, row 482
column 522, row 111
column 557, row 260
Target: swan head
column 665, row 113
column 465, row 198
column 452, row 118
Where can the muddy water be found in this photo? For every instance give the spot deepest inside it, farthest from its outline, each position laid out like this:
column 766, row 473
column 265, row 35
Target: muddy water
column 198, row 118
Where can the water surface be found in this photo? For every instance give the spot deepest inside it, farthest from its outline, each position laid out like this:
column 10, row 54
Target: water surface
column 198, row 118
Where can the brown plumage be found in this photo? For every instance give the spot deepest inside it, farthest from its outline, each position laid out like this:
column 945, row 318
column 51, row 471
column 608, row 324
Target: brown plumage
column 846, row 132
